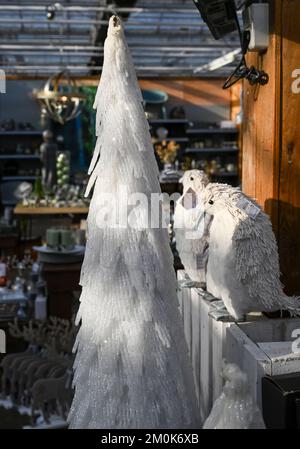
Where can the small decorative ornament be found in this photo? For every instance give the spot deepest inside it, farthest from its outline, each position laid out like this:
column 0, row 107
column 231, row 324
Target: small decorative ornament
column 235, row 408
column 60, row 98
column 48, row 156
column 167, row 153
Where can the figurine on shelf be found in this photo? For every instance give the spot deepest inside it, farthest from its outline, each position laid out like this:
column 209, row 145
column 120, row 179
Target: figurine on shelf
column 167, row 152
column 48, row 151
column 23, row 192
column 178, row 113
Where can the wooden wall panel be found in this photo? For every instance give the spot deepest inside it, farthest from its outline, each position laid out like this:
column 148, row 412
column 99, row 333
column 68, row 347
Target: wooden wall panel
column 289, row 191
column 271, row 141
column 235, row 100
column 203, row 99
column 261, row 128
column 198, row 92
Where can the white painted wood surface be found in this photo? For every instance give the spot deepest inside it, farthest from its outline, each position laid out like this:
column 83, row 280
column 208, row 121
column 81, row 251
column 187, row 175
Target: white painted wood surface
column 259, row 346
column 263, row 347
column 205, row 338
column 240, row 349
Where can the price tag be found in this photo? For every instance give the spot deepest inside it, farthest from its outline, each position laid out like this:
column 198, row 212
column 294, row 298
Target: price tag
column 248, row 207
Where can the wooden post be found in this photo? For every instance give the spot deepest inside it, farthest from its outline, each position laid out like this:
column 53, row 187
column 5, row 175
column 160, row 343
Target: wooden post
column 271, row 140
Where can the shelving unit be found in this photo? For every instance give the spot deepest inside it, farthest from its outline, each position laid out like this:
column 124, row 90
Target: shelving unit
column 19, row 210
column 211, row 137
column 19, row 178
column 19, row 133
column 175, row 139
column 211, row 150
column 226, row 175
column 212, row 131
column 17, row 166
column 169, row 121
column 19, row 156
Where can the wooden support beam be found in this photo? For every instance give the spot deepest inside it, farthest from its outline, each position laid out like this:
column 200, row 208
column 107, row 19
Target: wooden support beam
column 271, row 137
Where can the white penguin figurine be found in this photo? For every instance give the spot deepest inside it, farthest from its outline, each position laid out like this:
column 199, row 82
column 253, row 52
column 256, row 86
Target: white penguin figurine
column 235, row 408
column 191, row 226
column 243, row 264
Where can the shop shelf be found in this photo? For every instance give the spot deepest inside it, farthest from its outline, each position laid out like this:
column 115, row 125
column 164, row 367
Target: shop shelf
column 19, row 156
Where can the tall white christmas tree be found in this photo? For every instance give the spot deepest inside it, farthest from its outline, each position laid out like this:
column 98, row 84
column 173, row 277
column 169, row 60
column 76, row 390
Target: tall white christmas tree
column 132, row 368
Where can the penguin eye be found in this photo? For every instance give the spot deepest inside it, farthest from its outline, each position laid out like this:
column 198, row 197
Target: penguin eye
column 210, row 202
column 191, row 178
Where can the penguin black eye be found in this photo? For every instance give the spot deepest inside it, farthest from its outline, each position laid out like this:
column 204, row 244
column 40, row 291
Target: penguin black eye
column 191, row 178
column 210, row 202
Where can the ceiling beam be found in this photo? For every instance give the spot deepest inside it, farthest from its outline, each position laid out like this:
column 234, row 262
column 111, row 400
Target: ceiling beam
column 77, row 68
column 120, row 10
column 39, row 54
column 29, row 45
column 144, row 24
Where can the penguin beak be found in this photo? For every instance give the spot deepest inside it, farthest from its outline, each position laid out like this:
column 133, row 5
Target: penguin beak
column 115, row 20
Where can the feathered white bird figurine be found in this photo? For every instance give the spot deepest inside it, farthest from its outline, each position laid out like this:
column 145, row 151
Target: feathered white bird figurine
column 191, row 227
column 235, row 408
column 243, row 264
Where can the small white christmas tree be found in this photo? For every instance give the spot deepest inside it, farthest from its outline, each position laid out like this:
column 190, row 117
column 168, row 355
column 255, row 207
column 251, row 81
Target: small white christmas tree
column 132, row 368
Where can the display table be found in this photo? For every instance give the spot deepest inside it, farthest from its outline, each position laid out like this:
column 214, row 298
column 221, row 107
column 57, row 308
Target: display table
column 19, row 210
column 34, row 221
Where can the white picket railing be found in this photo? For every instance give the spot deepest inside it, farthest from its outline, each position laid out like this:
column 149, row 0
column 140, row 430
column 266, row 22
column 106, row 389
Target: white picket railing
column 259, row 345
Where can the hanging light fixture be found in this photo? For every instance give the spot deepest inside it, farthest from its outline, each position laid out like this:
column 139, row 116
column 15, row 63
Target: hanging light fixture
column 60, row 98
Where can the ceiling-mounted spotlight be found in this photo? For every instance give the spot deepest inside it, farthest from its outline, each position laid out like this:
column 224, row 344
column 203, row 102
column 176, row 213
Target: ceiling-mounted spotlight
column 51, row 10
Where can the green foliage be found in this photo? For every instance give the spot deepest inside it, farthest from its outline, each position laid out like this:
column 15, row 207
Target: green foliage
column 88, row 118
column 38, row 188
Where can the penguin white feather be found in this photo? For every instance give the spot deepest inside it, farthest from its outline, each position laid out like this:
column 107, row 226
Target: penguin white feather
column 191, row 226
column 243, row 265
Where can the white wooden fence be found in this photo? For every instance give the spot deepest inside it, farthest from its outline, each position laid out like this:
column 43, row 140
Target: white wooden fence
column 259, row 346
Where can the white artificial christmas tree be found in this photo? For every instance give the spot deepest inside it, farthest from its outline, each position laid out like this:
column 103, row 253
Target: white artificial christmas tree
column 132, row 368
